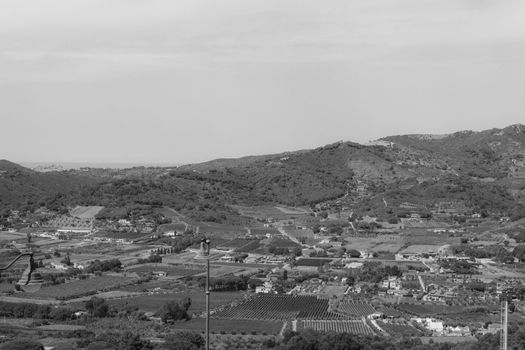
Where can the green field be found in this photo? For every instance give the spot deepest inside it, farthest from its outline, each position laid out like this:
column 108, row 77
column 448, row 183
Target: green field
column 78, row 288
column 170, row 270
column 269, row 211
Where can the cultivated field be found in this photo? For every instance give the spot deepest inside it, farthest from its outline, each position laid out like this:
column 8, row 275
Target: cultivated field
column 170, row 270
column 340, row 326
column 356, row 309
column 279, row 307
column 229, row 326
column 224, row 231
column 236, row 243
column 122, row 235
column 294, row 210
column 264, row 230
column 78, row 288
column 425, row 237
column 154, row 301
column 393, row 247
column 86, row 212
column 314, row 262
column 268, row 211
column 394, row 329
column 12, row 236
column 369, row 243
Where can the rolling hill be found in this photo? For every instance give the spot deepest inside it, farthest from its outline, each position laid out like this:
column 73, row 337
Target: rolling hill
column 22, row 187
column 485, row 170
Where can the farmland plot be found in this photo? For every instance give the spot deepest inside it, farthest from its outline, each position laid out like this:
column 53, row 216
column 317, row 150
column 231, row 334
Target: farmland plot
column 78, row 288
column 86, row 212
column 280, row 307
column 231, row 326
column 340, row 326
column 154, row 301
column 356, row 309
column 395, row 329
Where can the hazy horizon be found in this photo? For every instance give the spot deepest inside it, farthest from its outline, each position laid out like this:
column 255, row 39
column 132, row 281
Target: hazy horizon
column 121, row 165
column 168, row 81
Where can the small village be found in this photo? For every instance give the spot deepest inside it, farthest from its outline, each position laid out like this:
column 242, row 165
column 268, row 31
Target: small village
column 434, row 278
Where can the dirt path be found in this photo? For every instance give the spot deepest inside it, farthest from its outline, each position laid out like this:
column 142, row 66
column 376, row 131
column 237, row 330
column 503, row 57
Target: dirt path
column 293, row 239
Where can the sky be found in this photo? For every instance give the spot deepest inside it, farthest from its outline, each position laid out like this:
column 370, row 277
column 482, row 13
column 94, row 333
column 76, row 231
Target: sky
column 170, row 81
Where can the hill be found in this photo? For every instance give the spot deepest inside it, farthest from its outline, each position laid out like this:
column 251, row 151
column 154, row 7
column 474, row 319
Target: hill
column 23, row 188
column 485, row 171
column 495, row 153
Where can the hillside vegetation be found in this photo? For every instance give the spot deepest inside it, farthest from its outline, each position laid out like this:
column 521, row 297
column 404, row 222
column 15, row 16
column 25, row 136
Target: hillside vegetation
column 483, row 170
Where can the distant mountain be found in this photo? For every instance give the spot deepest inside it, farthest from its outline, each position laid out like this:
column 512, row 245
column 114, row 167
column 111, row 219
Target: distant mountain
column 484, row 171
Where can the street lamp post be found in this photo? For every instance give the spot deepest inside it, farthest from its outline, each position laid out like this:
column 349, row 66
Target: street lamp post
column 205, row 253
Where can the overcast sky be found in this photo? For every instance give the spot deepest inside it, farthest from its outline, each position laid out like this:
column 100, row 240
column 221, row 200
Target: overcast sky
column 163, row 81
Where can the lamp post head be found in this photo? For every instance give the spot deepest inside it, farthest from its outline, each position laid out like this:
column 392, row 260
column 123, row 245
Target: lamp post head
column 204, row 251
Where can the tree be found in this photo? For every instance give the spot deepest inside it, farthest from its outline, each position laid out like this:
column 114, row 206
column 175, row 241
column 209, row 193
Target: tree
column 519, row 252
column 184, row 341
column 119, row 341
column 297, row 251
column 61, row 313
column 350, row 280
column 67, row 260
column 97, row 307
column 353, row 253
column 175, row 311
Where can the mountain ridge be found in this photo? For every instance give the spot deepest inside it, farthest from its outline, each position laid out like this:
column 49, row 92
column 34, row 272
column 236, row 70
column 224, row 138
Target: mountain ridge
column 491, row 160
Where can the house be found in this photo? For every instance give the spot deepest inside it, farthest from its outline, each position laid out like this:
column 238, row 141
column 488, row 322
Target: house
column 274, row 276
column 226, row 258
column 78, row 266
column 124, row 222
column 431, row 324
column 80, row 313
column 59, row 266
column 391, row 282
column 266, row 288
column 458, row 331
column 169, row 234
